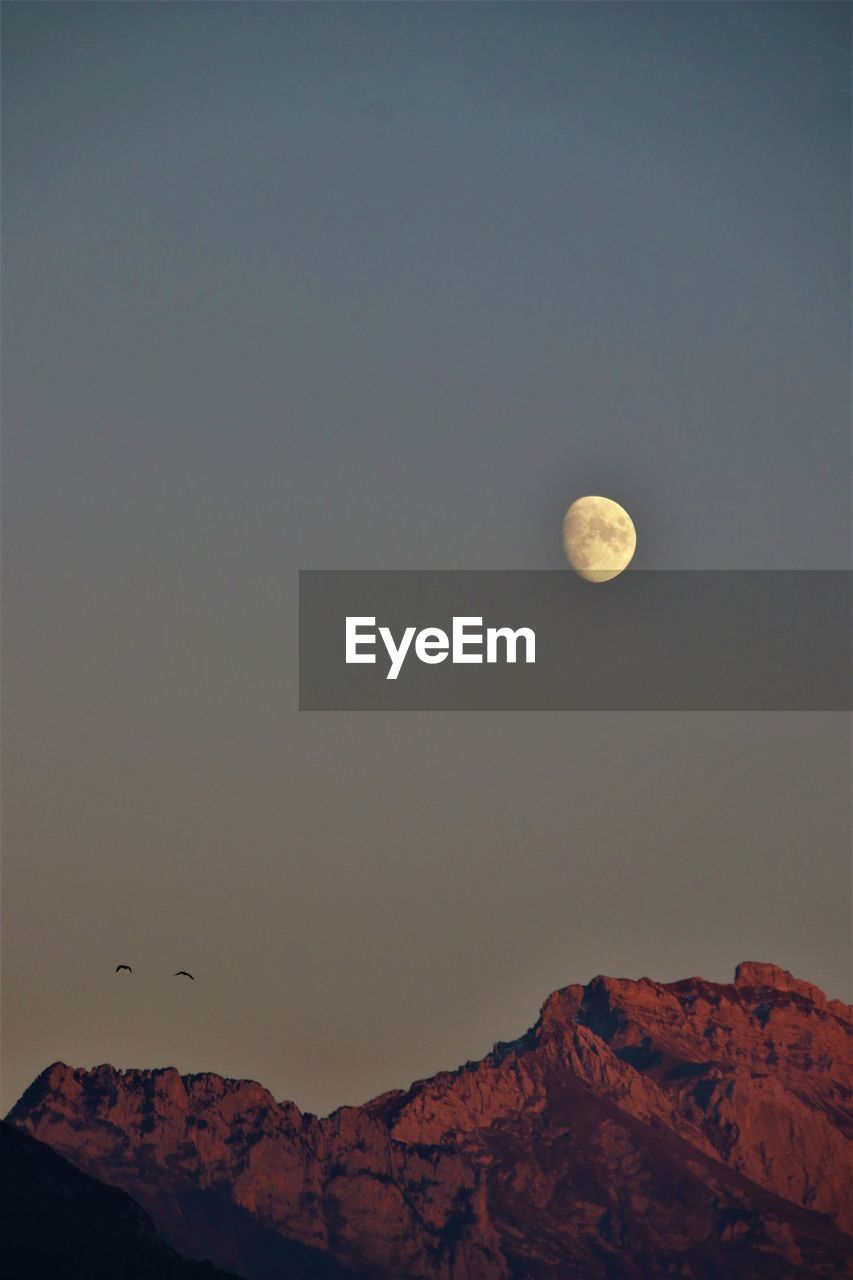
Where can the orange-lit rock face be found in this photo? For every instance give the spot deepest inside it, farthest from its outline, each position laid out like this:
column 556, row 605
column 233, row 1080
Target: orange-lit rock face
column 637, row 1128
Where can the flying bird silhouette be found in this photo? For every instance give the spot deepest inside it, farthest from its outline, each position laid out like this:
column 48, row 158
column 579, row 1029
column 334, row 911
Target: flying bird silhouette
column 124, row 966
column 182, row 973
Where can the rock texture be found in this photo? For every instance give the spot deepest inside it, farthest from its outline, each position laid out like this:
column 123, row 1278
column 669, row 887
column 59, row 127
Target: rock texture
column 638, row 1130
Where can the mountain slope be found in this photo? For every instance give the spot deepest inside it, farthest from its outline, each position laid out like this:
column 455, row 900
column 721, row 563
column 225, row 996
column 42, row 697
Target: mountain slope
column 60, row 1223
column 637, row 1130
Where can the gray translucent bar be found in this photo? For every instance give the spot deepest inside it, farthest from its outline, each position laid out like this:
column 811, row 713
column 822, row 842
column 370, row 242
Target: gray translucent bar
column 751, row 640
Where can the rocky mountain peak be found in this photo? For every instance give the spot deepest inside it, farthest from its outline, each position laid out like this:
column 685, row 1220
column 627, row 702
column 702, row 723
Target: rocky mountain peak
column 757, row 976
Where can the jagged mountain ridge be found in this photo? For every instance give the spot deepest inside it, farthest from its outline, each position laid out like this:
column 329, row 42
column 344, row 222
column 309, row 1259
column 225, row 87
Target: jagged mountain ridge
column 639, row 1129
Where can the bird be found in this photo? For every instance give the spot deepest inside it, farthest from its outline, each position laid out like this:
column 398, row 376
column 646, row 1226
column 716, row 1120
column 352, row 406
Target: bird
column 124, row 966
column 182, row 973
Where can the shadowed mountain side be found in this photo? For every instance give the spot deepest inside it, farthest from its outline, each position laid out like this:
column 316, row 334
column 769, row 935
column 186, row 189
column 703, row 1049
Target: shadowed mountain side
column 638, row 1130
column 61, row 1223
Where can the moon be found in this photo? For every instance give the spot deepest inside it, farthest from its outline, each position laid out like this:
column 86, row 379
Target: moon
column 599, row 538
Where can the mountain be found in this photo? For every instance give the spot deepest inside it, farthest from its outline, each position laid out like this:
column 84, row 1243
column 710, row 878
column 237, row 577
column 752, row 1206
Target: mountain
column 60, row 1224
column 638, row 1130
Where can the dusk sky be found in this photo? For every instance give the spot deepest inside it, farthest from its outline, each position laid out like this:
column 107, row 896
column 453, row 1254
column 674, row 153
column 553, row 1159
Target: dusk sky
column 388, row 286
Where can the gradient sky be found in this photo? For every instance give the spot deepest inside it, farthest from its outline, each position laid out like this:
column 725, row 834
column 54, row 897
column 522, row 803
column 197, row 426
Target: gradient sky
column 382, row 286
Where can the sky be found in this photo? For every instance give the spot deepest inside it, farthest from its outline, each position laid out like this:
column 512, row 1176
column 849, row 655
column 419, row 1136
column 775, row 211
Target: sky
column 388, row 286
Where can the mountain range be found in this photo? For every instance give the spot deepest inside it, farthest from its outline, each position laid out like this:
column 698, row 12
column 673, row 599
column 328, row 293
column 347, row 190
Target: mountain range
column 637, row 1130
